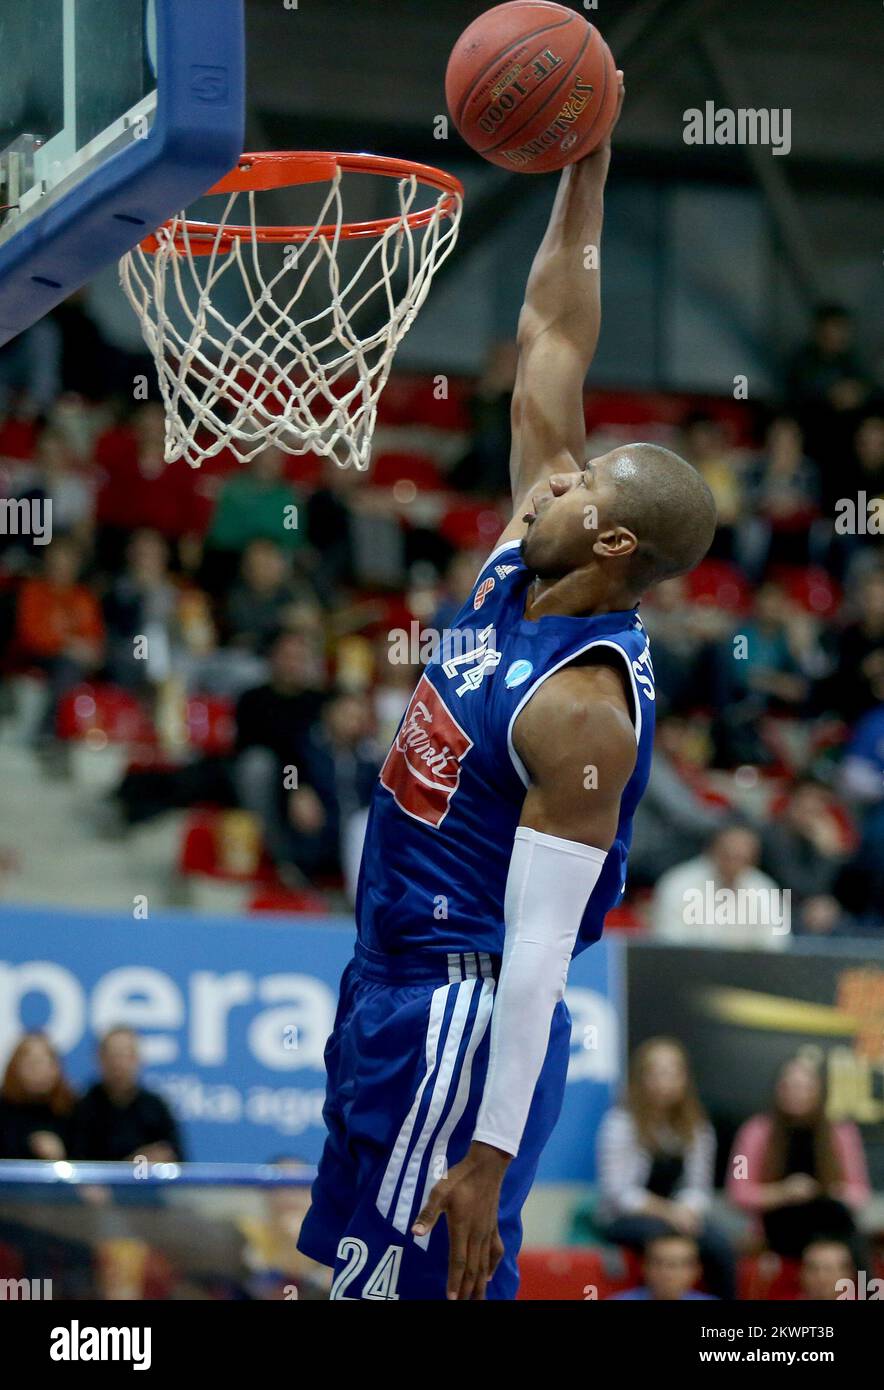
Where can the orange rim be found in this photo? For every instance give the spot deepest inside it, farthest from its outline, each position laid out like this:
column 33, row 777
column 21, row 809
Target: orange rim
column 290, row 168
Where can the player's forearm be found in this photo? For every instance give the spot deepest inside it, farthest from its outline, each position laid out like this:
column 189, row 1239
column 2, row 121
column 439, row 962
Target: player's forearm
column 563, row 290
column 549, row 882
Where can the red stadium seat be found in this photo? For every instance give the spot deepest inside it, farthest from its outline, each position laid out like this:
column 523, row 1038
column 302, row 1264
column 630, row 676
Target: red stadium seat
column 720, row 585
column 643, row 410
column 390, row 468
column 12, row 1266
column 811, row 587
column 273, row 899
column 210, row 724
column 623, row 918
column 471, row 525
column 208, row 850
column 416, row 400
column 568, row 1274
column 18, row 438
column 105, row 710
column 767, row 1276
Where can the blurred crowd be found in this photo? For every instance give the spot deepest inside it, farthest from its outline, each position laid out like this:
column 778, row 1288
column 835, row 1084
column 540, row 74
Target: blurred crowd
column 786, row 1215
column 798, row 1180
column 234, row 625
column 124, row 1247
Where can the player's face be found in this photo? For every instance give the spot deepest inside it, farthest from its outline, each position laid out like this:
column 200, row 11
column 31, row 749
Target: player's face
column 565, row 519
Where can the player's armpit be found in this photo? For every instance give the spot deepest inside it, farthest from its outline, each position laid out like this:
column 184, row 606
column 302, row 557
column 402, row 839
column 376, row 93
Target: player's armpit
column 577, row 740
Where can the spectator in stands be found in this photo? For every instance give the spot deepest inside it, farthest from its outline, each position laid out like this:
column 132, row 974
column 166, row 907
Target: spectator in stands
column 828, row 1272
column 273, row 722
column 327, row 810
column 656, row 1157
column 329, row 531
column 308, row 812
column 704, row 444
column 826, row 388
column 392, row 690
column 90, row 367
column 143, row 604
column 485, row 466
column 30, row 370
column 722, row 898
column 59, row 481
column 672, row 819
column 36, row 1102
column 271, row 1252
column 671, row 1269
column 862, row 770
column 868, row 491
column 118, row 1118
column 683, row 637
column 137, row 488
column 457, row 584
column 860, row 655
column 803, row 849
column 782, row 500
column 256, row 503
column 861, row 885
column 802, row 1175
column 766, row 668
column 59, row 625
column 265, row 599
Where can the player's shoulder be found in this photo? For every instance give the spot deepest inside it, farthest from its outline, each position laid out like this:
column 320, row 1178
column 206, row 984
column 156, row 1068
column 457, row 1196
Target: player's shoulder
column 579, row 696
column 579, row 710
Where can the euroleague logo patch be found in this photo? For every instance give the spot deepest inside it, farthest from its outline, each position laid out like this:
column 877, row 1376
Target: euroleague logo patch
column 422, row 769
column 517, row 674
column 482, row 592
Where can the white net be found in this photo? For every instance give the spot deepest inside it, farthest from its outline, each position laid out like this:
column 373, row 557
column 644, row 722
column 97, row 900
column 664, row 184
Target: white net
column 304, row 378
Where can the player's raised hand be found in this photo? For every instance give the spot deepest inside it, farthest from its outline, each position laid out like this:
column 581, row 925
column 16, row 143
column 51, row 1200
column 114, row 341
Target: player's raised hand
column 470, row 1200
column 602, row 154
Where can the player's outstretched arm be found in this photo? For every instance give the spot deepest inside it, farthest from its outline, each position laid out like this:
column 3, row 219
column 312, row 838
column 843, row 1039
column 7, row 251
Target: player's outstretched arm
column 578, row 720
column 558, row 331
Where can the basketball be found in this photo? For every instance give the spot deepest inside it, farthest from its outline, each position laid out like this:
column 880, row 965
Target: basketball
column 531, row 86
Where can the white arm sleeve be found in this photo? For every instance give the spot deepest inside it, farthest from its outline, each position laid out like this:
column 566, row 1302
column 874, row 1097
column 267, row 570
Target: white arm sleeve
column 547, row 890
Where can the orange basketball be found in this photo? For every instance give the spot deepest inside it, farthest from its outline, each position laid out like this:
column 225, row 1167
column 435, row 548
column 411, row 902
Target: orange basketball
column 531, row 86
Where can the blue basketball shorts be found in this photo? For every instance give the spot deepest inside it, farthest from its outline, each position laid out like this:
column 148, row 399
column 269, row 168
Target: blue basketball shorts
column 406, row 1065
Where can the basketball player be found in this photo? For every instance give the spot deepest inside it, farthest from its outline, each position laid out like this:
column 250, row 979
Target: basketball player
column 499, row 828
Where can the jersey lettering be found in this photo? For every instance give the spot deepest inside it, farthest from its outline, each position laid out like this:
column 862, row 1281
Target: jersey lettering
column 644, row 673
column 422, row 768
column 485, row 657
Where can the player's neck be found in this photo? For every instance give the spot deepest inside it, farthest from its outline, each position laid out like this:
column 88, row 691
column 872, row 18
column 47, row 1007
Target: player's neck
column 581, row 593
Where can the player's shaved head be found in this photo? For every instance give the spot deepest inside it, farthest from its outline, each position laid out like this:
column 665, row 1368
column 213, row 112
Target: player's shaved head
column 633, row 517
column 667, row 506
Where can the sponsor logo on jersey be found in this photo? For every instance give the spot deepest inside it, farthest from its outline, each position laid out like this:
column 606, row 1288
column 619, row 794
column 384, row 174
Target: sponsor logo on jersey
column 482, row 592
column 422, row 769
column 517, row 674
column 503, row 570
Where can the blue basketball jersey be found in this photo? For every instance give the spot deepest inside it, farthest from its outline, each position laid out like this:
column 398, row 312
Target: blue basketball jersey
column 449, row 796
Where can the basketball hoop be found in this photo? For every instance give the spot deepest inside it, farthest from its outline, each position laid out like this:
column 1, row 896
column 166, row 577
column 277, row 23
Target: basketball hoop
column 304, row 379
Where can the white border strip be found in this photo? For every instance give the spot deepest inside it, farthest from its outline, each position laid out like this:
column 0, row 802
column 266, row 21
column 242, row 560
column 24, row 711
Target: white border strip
column 566, row 661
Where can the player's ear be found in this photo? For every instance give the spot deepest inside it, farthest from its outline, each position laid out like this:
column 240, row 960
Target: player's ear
column 615, row 543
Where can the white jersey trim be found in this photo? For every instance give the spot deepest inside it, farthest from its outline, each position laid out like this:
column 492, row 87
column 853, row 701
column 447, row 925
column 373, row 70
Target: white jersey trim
column 566, row 661
column 499, row 550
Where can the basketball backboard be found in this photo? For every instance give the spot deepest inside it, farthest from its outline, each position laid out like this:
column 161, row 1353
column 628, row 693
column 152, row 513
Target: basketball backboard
column 114, row 115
